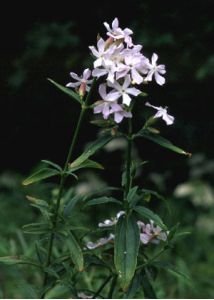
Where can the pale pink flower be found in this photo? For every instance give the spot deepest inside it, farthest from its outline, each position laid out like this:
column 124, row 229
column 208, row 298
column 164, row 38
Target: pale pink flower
column 117, row 33
column 132, row 64
column 156, row 70
column 162, row 113
column 124, row 90
column 151, row 234
column 80, row 79
column 108, row 68
column 101, row 53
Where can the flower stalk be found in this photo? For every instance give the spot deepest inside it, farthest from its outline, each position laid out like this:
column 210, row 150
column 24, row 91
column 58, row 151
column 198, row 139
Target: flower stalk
column 84, row 108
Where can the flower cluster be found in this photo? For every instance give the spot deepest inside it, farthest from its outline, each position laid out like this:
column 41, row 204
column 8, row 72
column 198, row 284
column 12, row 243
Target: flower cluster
column 149, row 233
column 123, row 67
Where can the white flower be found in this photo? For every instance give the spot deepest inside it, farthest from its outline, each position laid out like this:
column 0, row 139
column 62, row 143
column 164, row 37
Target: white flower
column 113, row 221
column 124, row 90
column 106, row 105
column 101, row 242
column 117, row 33
column 108, row 68
column 131, row 64
column 101, row 53
column 162, row 113
column 119, row 112
column 156, row 70
column 82, row 81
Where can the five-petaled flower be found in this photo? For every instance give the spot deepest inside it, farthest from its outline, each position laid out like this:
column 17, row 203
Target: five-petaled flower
column 162, row 113
column 125, row 90
column 156, row 70
column 82, row 82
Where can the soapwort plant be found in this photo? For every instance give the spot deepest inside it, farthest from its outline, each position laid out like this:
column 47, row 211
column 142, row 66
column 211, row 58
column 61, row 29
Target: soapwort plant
column 109, row 91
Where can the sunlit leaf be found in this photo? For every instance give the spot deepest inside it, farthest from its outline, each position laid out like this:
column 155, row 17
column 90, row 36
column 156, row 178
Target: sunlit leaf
column 91, row 149
column 40, row 175
column 161, row 141
column 66, row 90
column 87, row 164
column 102, row 200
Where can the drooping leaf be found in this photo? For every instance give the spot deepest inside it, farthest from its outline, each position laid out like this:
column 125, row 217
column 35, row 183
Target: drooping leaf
column 102, row 200
column 173, row 270
column 150, row 215
column 161, row 141
column 67, row 91
column 127, row 239
column 40, row 175
column 75, row 252
column 52, row 164
column 87, row 164
column 71, row 204
column 91, row 149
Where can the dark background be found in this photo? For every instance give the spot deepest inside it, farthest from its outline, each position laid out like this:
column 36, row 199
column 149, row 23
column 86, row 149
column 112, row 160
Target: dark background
column 39, row 42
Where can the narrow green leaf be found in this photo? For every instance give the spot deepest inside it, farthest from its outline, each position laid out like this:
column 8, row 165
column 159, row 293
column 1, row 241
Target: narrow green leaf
column 102, row 200
column 87, row 164
column 75, row 252
column 161, row 141
column 91, row 149
column 71, row 204
column 127, row 239
column 173, row 270
column 150, row 215
column 48, row 162
column 40, row 175
column 14, row 260
column 133, row 197
column 134, row 286
column 147, row 287
column 37, row 228
column 67, row 91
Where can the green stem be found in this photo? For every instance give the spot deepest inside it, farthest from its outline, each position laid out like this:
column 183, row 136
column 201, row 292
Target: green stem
column 128, row 159
column 113, row 285
column 63, row 178
column 101, row 287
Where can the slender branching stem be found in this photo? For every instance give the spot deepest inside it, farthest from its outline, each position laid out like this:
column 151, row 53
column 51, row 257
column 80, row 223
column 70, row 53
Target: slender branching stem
column 102, row 287
column 84, row 107
column 112, row 287
column 128, row 158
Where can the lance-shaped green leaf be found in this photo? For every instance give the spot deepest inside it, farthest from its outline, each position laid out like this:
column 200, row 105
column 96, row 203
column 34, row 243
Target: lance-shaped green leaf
column 52, row 164
column 75, row 252
column 161, row 141
column 67, row 91
column 15, row 260
column 150, row 215
column 37, row 228
column 71, row 204
column 40, row 175
column 102, row 200
column 87, row 164
column 91, row 149
column 127, row 239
